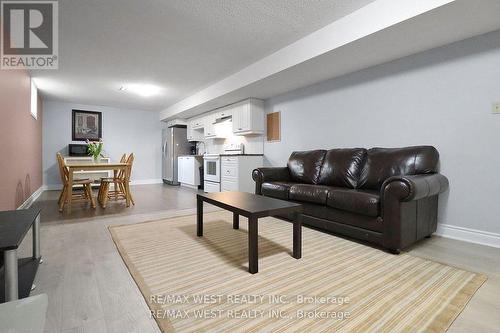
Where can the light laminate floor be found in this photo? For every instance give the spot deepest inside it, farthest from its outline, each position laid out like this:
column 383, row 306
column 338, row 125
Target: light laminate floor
column 90, row 289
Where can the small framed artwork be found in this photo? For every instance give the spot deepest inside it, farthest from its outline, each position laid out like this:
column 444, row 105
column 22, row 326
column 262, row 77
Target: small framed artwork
column 86, row 125
column 274, row 126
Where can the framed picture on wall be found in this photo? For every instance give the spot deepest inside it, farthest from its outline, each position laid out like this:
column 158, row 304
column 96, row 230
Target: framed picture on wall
column 86, row 125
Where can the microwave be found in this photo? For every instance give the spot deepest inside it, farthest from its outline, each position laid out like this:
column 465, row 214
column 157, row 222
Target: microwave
column 77, row 149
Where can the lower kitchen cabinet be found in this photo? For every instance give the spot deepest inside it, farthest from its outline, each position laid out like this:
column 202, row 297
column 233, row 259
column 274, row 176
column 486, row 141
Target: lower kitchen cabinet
column 188, row 170
column 236, row 172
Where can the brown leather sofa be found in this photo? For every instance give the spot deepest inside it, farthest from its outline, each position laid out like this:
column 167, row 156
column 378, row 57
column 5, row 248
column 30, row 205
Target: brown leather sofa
column 386, row 196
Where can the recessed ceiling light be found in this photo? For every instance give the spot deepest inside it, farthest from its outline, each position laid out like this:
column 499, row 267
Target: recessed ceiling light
column 141, row 89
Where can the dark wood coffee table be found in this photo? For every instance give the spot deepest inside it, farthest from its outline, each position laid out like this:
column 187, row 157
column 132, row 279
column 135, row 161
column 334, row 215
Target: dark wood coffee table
column 253, row 207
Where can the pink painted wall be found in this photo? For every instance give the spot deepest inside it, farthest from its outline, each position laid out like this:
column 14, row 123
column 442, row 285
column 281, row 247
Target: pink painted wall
column 20, row 140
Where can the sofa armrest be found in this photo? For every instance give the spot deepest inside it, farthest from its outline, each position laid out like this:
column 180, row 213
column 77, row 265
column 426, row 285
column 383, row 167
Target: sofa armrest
column 409, row 208
column 409, row 188
column 261, row 175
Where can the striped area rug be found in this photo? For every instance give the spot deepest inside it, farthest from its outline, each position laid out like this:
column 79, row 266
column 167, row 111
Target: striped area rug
column 196, row 284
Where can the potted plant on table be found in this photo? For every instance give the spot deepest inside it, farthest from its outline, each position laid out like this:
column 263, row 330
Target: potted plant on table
column 94, row 149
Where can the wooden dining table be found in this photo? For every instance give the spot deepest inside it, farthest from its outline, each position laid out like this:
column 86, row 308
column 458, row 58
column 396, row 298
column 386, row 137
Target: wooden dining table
column 92, row 166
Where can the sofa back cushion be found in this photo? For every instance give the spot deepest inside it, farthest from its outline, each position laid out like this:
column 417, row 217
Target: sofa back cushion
column 342, row 167
column 305, row 166
column 382, row 163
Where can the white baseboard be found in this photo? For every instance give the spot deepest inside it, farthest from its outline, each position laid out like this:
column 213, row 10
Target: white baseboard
column 52, row 187
column 27, row 203
column 194, row 187
column 146, row 181
column 469, row 235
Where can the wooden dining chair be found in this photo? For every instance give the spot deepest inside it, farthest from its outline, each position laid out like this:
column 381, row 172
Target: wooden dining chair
column 86, row 185
column 118, row 174
column 121, row 189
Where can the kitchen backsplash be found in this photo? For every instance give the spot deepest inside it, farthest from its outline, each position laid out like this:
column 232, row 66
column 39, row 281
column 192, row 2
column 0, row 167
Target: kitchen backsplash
column 254, row 144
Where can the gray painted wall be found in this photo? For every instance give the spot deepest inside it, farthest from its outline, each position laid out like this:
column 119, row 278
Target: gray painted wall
column 124, row 131
column 442, row 97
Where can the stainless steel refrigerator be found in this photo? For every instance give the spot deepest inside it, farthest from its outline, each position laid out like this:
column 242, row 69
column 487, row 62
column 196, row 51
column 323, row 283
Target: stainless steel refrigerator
column 175, row 144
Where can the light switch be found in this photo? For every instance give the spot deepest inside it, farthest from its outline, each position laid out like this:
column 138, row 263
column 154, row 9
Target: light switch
column 496, row 108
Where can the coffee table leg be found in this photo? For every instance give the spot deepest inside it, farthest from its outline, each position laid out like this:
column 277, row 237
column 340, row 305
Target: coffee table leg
column 199, row 217
column 253, row 245
column 236, row 221
column 36, row 239
column 297, row 236
column 11, row 277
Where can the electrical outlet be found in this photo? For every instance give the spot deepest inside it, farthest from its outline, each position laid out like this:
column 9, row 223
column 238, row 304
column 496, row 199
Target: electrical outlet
column 496, row 108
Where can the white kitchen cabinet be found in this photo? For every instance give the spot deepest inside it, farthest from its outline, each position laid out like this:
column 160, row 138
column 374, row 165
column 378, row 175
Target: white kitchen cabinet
column 223, row 113
column 197, row 122
column 177, row 121
column 248, row 117
column 194, row 134
column 209, row 126
column 190, row 133
column 181, row 173
column 236, row 172
column 188, row 170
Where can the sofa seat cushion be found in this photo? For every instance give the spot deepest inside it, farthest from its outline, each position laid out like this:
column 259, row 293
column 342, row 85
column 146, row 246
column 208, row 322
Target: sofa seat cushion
column 279, row 190
column 364, row 202
column 309, row 193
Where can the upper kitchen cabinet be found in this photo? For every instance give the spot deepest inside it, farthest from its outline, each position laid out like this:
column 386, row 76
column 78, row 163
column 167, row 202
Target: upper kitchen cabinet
column 209, row 128
column 194, row 130
column 194, row 134
column 197, row 122
column 248, row 117
column 174, row 122
column 224, row 113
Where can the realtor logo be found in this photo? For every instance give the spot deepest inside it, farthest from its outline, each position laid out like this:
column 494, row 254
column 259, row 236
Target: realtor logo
column 29, row 34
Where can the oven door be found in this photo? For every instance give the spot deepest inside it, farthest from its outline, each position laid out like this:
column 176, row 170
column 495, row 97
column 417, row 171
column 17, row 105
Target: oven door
column 212, row 169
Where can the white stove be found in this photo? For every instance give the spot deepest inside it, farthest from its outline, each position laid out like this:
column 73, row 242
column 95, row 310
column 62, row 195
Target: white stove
column 211, row 167
column 211, row 173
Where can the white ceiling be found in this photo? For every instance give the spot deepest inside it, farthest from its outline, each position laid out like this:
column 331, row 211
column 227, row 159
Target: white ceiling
column 179, row 45
column 379, row 32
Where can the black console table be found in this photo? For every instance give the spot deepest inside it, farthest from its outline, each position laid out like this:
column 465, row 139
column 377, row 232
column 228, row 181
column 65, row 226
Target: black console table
column 18, row 274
